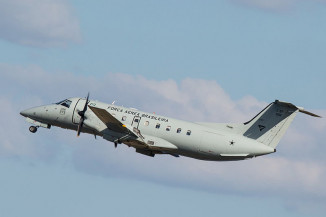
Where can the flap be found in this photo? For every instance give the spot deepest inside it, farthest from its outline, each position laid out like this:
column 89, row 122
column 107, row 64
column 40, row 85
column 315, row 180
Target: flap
column 156, row 143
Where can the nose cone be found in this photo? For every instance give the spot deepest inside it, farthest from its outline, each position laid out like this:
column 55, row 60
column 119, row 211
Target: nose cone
column 28, row 113
column 33, row 113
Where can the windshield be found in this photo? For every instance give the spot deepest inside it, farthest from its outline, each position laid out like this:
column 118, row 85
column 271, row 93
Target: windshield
column 65, row 103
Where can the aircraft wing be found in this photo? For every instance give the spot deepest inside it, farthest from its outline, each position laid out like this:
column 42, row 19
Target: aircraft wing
column 111, row 122
column 139, row 141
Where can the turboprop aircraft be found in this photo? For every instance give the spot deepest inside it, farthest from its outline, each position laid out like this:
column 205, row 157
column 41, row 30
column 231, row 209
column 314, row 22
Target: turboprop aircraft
column 152, row 134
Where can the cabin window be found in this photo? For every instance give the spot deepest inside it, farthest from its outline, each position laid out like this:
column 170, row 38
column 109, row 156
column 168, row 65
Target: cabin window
column 188, row 132
column 168, row 128
column 65, row 103
column 150, row 142
column 136, row 120
column 179, row 130
column 158, row 126
column 124, row 118
column 146, row 123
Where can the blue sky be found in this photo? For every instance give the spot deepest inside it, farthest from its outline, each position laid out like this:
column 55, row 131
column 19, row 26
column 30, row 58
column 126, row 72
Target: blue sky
column 203, row 61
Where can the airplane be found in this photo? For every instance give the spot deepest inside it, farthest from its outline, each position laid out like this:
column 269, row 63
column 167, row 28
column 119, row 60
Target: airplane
column 152, row 134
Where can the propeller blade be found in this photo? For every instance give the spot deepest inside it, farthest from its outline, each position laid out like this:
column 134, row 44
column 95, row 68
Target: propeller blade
column 82, row 116
column 80, row 126
column 85, row 106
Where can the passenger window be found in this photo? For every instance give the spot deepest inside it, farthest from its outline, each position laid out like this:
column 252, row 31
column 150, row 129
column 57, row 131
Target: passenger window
column 146, row 123
column 136, row 120
column 157, row 126
column 168, row 128
column 179, row 130
column 124, row 118
column 188, row 133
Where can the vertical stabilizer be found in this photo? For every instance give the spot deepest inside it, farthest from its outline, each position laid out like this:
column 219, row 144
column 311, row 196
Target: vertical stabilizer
column 269, row 126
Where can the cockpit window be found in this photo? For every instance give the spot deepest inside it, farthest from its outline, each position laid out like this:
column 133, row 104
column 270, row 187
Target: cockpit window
column 65, row 103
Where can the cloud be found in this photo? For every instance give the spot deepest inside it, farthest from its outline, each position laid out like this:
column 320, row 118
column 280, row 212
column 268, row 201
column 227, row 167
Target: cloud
column 296, row 172
column 41, row 23
column 274, row 5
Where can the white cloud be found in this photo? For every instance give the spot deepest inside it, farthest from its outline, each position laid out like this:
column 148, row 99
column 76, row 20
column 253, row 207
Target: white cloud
column 43, row 23
column 274, row 5
column 296, row 172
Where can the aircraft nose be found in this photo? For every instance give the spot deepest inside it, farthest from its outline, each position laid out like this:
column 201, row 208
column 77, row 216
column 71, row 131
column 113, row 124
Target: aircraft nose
column 36, row 112
column 27, row 113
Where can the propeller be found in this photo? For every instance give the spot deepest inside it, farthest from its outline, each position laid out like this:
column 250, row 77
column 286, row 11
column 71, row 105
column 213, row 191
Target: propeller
column 82, row 116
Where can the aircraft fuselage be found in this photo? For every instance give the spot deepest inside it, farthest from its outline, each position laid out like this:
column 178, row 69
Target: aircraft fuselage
column 191, row 139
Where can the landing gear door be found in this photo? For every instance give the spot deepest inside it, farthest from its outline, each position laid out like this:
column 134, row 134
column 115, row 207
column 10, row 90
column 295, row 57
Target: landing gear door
column 135, row 122
column 78, row 107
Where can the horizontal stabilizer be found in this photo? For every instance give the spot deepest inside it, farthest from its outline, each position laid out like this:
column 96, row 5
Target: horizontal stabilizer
column 309, row 113
column 290, row 105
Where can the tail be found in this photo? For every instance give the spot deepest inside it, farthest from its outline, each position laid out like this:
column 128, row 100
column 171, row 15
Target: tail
column 269, row 126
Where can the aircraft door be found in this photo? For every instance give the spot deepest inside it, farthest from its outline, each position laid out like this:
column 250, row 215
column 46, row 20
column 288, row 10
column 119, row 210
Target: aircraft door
column 78, row 107
column 135, row 121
